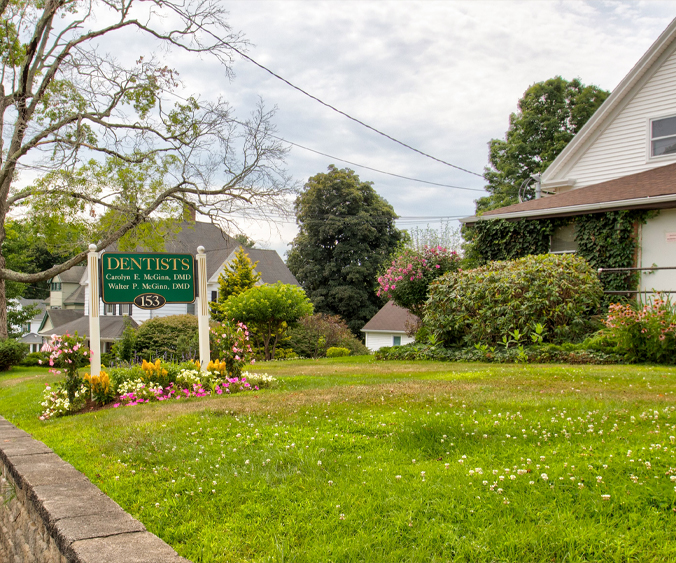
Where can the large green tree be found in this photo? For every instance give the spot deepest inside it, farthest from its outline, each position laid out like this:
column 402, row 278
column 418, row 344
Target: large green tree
column 346, row 235
column 106, row 137
column 549, row 115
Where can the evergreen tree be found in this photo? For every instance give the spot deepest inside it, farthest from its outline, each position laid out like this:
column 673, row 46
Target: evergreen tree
column 237, row 277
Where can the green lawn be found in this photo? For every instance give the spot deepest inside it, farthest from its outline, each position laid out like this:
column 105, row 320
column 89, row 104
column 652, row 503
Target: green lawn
column 355, row 460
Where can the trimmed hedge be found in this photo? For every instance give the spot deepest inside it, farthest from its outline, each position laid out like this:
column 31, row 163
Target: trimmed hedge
column 504, row 302
column 171, row 337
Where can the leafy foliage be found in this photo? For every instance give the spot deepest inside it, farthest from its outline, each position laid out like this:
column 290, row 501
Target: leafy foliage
column 12, row 352
column 505, row 301
column 315, row 334
column 407, row 280
column 68, row 353
column 549, row 115
column 537, row 354
column 447, row 236
column 167, row 337
column 499, row 239
column 230, row 348
column 107, row 138
column 124, row 350
column 605, row 240
column 268, row 310
column 644, row 334
column 336, row 352
column 346, row 236
column 237, row 277
column 608, row 240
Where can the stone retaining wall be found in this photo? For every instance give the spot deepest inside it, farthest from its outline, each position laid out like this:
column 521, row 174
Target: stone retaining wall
column 52, row 513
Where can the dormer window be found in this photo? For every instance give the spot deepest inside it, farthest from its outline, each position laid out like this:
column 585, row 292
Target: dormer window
column 663, row 136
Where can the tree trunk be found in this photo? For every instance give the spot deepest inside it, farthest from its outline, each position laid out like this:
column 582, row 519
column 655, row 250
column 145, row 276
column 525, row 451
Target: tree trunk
column 3, row 304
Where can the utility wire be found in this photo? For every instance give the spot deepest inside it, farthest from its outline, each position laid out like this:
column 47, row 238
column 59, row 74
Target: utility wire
column 266, row 69
column 347, row 161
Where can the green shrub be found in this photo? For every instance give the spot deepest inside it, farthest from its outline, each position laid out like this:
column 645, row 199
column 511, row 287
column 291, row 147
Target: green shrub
column 536, row 298
column 166, row 337
column 11, row 353
column 537, row 354
column 644, row 334
column 337, row 352
column 35, row 359
column 314, row 334
column 268, row 310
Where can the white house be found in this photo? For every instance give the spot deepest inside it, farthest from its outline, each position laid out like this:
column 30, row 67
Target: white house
column 389, row 327
column 220, row 250
column 623, row 158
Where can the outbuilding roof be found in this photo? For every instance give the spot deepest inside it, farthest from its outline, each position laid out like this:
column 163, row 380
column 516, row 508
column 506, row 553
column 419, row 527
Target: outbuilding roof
column 391, row 318
column 652, row 189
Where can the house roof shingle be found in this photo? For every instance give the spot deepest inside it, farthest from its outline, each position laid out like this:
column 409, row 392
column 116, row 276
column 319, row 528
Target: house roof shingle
column 391, row 318
column 60, row 317
column 77, row 297
column 74, row 275
column 112, row 327
column 652, row 189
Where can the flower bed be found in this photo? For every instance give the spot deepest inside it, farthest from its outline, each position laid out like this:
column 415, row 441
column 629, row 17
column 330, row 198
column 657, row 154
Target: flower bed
column 150, row 382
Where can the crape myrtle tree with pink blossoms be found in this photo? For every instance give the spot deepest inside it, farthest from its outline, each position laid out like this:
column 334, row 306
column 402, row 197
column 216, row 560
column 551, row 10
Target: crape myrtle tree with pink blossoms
column 67, row 354
column 407, row 280
column 231, row 347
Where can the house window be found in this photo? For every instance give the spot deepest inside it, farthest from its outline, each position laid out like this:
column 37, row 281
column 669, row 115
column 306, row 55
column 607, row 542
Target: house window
column 214, row 295
column 663, row 136
column 563, row 240
column 110, row 309
column 55, row 286
column 190, row 309
column 396, row 341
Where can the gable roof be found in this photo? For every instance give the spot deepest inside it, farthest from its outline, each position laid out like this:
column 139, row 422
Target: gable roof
column 621, row 95
column 112, row 327
column 652, row 189
column 74, row 275
column 189, row 237
column 39, row 303
column 60, row 317
column 391, row 318
column 77, row 297
column 270, row 265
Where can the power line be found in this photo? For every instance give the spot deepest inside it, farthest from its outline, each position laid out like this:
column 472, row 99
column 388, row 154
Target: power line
column 266, row 69
column 349, row 161
column 376, row 170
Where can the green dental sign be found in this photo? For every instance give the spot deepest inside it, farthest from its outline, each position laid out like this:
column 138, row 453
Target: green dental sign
column 147, row 280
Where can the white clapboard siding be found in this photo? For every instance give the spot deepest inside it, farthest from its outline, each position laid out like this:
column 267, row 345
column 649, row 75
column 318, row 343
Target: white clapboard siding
column 622, row 148
column 140, row 315
column 377, row 340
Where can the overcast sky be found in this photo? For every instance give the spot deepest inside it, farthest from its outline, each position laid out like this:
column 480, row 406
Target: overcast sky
column 441, row 76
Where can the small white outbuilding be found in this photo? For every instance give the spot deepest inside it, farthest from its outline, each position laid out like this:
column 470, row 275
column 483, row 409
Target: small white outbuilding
column 389, row 326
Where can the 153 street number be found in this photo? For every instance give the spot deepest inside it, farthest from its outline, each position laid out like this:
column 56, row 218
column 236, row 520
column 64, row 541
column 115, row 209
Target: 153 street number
column 149, row 301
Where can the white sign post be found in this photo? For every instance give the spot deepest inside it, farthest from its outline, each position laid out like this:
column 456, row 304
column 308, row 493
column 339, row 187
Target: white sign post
column 202, row 306
column 94, row 326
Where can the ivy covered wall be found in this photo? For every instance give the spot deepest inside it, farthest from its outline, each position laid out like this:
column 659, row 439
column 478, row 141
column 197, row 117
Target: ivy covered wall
column 605, row 240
